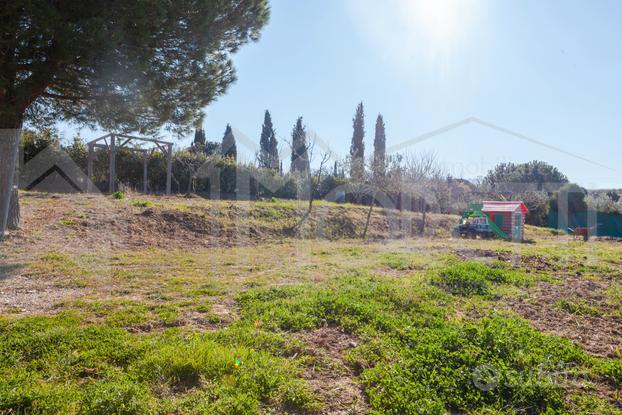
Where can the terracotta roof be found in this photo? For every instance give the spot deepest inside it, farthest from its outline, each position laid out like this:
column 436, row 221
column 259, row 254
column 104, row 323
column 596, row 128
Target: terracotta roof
column 494, row 206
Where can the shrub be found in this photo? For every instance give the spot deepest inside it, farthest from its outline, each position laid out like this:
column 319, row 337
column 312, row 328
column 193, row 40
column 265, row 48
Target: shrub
column 118, row 195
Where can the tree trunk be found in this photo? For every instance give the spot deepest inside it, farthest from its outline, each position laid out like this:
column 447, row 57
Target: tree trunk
column 14, row 211
column 9, row 201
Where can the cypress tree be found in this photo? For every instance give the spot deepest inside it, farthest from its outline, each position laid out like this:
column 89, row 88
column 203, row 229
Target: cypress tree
column 198, row 144
column 265, row 142
column 199, row 137
column 274, row 153
column 380, row 143
column 357, row 148
column 228, row 148
column 300, row 160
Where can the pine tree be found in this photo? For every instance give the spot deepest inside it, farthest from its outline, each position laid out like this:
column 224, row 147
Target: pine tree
column 228, row 148
column 300, row 160
column 380, row 143
column 264, row 157
column 357, row 148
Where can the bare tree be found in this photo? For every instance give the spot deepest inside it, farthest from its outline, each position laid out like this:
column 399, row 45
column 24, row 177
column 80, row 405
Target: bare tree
column 426, row 177
column 311, row 181
column 375, row 183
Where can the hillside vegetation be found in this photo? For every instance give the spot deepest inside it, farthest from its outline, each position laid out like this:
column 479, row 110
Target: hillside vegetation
column 187, row 306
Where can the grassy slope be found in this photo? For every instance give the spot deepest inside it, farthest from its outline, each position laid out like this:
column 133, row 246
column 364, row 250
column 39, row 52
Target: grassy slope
column 423, row 325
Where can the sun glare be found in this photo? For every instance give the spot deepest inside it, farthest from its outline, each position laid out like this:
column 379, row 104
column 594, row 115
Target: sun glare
column 441, row 21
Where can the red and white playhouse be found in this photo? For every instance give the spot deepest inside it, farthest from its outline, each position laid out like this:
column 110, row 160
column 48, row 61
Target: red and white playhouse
column 508, row 216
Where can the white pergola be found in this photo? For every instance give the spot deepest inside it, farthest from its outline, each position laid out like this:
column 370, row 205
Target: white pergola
column 113, row 142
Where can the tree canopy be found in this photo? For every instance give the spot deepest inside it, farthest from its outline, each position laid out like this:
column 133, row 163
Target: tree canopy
column 570, row 198
column 131, row 65
column 534, row 175
column 124, row 65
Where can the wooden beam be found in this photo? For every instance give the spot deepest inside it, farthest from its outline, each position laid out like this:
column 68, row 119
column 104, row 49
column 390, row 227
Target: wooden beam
column 152, row 140
column 124, row 143
column 145, row 162
column 103, row 137
column 161, row 148
column 90, row 168
column 113, row 174
column 169, row 168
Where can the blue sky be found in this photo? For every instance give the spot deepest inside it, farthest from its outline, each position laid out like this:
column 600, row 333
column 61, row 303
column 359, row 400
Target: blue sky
column 551, row 70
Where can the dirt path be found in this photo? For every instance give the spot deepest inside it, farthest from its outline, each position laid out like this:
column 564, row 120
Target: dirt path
column 330, row 377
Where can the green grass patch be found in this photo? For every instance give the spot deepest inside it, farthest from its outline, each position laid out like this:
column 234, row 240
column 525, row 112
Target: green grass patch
column 614, row 297
column 475, row 278
column 416, row 360
column 68, row 222
column 142, row 203
column 403, row 261
column 611, row 369
column 579, row 308
column 496, row 364
column 355, row 301
column 57, row 365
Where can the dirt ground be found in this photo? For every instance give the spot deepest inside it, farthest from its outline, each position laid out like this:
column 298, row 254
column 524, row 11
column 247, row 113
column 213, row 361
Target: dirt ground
column 600, row 335
column 332, row 378
column 81, row 222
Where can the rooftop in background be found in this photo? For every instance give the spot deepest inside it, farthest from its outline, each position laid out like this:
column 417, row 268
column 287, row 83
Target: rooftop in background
column 494, row 206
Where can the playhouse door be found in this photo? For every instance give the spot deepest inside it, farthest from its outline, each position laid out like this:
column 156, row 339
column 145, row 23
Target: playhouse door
column 516, row 231
column 499, row 220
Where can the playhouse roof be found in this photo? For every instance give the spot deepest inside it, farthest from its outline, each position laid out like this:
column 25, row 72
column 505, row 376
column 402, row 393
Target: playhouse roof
column 494, row 206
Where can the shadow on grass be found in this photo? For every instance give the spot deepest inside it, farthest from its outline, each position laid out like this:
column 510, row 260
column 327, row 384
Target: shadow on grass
column 7, row 270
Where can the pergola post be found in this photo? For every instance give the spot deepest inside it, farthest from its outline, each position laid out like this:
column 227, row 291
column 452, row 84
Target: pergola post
column 145, row 162
column 113, row 164
column 115, row 142
column 169, row 167
column 90, row 168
